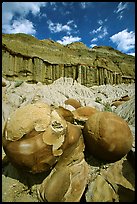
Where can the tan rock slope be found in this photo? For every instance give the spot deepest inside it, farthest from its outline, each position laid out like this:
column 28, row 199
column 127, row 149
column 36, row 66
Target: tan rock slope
column 26, row 58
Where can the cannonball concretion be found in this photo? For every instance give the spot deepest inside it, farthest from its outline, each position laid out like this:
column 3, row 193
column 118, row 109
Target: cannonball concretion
column 107, row 136
column 40, row 137
column 83, row 113
column 35, row 136
column 73, row 102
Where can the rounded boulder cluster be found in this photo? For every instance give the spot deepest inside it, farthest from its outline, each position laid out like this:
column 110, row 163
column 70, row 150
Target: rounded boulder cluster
column 43, row 138
column 36, row 135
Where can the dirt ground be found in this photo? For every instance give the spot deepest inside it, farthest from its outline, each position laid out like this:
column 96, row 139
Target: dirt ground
column 20, row 186
column 17, row 185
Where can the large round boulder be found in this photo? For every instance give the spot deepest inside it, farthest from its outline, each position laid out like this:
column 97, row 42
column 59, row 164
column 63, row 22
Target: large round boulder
column 35, row 136
column 107, row 136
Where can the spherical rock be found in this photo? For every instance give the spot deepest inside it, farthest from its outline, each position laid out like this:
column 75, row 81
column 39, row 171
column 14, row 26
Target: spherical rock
column 83, row 113
column 33, row 137
column 73, row 102
column 107, row 136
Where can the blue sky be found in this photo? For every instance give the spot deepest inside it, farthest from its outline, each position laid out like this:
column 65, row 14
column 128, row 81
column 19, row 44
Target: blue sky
column 93, row 23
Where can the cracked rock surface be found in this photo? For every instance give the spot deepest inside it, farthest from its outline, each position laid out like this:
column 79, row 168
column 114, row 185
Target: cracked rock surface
column 85, row 177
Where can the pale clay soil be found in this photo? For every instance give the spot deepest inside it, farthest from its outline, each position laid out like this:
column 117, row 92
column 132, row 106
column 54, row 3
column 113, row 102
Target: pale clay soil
column 19, row 186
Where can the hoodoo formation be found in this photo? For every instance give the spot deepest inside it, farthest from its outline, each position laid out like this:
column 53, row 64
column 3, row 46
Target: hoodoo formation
column 26, row 58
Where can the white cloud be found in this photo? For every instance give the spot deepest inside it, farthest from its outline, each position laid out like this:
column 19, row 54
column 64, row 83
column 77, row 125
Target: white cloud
column 120, row 16
column 100, row 22
column 68, row 39
column 67, row 4
column 85, row 4
column 120, row 9
column 54, row 5
column 67, row 13
column 97, row 30
column 44, row 15
column 132, row 53
column 94, row 40
column 64, row 3
column 22, row 9
column 21, row 26
column 124, row 40
column 70, row 22
column 58, row 27
column 101, row 31
column 93, row 45
column 121, row 6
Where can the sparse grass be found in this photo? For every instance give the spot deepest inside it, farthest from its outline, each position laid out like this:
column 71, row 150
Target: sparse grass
column 107, row 107
column 98, row 100
column 18, row 83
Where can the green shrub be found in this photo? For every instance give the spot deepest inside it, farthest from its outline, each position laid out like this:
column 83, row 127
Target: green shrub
column 98, row 100
column 107, row 107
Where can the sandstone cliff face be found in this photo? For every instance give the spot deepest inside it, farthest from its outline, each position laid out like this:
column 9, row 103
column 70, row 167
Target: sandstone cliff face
column 28, row 59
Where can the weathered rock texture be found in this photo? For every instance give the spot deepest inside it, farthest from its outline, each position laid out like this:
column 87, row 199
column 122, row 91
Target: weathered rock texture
column 111, row 182
column 114, row 182
column 68, row 179
column 29, row 59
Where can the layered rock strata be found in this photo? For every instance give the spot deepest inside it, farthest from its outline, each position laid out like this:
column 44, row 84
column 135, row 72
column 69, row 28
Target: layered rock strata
column 29, row 59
